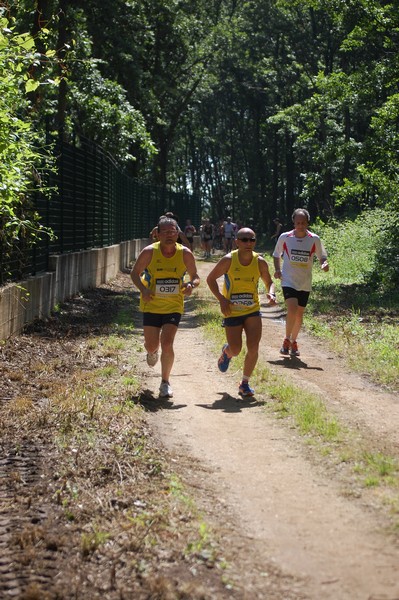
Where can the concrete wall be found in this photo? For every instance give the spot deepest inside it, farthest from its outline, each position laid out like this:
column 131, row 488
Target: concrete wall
column 34, row 298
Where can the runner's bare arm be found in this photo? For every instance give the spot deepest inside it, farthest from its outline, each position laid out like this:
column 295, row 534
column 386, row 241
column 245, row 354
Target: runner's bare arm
column 277, row 253
column 218, row 271
column 322, row 256
column 324, row 264
column 142, row 262
column 194, row 282
column 267, row 280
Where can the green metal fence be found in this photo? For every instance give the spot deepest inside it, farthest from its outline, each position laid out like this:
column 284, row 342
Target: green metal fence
column 96, row 205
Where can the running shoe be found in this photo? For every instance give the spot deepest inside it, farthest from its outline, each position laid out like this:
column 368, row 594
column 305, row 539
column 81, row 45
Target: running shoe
column 165, row 391
column 285, row 348
column 224, row 360
column 152, row 358
column 245, row 390
column 294, row 349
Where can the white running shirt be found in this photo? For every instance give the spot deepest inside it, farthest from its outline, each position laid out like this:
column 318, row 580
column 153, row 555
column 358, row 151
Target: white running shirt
column 298, row 257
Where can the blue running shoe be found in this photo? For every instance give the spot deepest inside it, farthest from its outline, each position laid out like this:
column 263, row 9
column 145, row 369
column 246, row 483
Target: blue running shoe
column 245, row 390
column 224, row 360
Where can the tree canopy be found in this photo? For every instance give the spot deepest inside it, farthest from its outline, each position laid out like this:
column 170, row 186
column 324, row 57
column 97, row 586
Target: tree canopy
column 258, row 106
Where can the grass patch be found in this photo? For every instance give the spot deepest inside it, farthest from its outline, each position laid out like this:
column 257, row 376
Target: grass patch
column 370, row 344
column 92, row 541
column 356, row 316
column 131, row 381
column 107, row 371
column 111, row 489
column 308, row 412
column 124, row 320
column 113, row 343
column 377, row 468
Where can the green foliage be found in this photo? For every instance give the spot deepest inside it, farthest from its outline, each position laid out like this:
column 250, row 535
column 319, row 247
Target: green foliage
column 355, row 305
column 258, row 106
column 157, row 51
column 101, row 112
column 365, row 250
column 352, row 245
column 387, row 252
column 99, row 106
column 20, row 157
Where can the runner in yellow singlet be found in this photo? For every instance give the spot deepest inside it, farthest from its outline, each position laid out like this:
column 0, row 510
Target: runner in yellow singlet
column 159, row 275
column 239, row 302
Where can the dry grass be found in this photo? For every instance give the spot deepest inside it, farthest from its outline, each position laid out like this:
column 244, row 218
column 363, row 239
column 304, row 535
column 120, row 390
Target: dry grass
column 91, row 496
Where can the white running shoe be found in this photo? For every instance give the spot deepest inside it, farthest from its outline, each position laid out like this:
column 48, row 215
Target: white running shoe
column 152, row 358
column 165, row 391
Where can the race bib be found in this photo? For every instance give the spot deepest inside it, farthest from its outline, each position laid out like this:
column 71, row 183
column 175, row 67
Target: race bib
column 166, row 287
column 244, row 300
column 299, row 258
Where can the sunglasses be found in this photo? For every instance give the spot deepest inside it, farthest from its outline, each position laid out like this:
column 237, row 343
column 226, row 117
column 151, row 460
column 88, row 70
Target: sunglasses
column 247, row 239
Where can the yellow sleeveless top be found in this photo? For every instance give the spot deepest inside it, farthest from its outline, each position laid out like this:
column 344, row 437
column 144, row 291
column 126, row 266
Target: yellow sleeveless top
column 241, row 285
column 164, row 277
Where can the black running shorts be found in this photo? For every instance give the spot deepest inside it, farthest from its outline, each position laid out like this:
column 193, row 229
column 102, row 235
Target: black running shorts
column 158, row 320
column 300, row 295
column 235, row 321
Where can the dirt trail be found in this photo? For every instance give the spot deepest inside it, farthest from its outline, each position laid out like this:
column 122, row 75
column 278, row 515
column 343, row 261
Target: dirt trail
column 252, row 473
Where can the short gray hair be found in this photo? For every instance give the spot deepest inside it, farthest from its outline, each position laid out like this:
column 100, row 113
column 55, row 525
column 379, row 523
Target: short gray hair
column 167, row 221
column 301, row 211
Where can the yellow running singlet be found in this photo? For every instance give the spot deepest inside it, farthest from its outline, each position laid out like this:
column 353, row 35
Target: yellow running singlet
column 164, row 277
column 241, row 285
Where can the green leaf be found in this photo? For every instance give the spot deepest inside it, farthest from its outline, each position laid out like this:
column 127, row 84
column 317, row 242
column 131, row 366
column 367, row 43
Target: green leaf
column 25, row 41
column 31, row 85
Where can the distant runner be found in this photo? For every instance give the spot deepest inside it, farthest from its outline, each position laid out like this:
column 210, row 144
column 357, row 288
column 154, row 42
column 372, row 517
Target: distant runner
column 298, row 249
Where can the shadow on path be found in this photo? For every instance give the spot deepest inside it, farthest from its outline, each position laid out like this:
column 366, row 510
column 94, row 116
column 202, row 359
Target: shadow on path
column 293, row 363
column 152, row 403
column 231, row 404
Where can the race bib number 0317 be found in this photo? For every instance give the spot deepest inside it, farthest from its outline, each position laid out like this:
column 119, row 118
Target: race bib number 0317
column 165, row 287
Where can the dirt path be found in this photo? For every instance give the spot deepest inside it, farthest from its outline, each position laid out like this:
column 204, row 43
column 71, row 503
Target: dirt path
column 253, row 474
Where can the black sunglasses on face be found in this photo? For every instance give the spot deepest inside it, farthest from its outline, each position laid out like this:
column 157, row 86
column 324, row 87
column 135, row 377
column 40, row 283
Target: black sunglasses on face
column 247, row 239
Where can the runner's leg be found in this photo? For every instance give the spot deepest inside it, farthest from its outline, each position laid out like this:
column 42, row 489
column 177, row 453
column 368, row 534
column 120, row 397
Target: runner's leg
column 298, row 322
column 234, row 340
column 151, row 338
column 292, row 307
column 168, row 355
column 253, row 332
